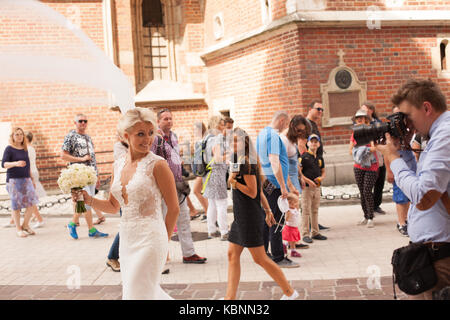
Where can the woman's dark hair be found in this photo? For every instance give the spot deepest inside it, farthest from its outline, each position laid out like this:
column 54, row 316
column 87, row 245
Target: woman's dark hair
column 124, row 144
column 292, row 133
column 251, row 157
column 371, row 106
column 29, row 136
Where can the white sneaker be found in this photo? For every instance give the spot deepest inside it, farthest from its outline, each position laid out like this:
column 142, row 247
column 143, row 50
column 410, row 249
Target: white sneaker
column 38, row 225
column 292, row 297
column 370, row 223
column 362, row 222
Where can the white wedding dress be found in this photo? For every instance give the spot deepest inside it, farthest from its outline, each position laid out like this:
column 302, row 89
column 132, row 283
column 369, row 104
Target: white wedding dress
column 144, row 241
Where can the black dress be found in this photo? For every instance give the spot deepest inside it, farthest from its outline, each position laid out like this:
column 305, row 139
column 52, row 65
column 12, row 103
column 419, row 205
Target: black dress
column 248, row 226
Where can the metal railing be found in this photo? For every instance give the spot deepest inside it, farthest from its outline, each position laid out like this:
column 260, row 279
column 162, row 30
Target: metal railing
column 56, row 170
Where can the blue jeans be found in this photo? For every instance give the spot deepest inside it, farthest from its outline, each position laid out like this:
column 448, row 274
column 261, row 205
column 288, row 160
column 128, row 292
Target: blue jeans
column 114, row 250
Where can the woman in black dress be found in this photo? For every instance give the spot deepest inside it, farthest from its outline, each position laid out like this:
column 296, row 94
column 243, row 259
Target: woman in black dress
column 249, row 218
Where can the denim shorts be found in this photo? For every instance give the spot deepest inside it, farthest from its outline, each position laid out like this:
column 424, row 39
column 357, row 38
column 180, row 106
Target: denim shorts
column 398, row 196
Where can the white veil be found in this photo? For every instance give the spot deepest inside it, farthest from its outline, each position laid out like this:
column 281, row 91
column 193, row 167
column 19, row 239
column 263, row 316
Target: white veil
column 46, row 61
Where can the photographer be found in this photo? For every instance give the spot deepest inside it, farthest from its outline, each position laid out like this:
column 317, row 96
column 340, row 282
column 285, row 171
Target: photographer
column 429, row 214
column 401, row 201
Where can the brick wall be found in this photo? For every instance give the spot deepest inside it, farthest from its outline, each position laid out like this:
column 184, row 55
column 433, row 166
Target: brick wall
column 279, row 70
column 27, row 104
column 239, row 16
column 285, row 71
column 87, row 14
column 262, row 78
column 384, row 58
column 278, row 8
column 192, row 28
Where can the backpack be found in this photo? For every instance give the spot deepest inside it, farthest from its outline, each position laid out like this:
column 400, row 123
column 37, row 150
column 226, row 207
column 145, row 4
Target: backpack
column 199, row 165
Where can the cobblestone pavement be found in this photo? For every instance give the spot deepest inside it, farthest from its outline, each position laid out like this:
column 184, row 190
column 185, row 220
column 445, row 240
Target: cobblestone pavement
column 354, row 263
column 340, row 289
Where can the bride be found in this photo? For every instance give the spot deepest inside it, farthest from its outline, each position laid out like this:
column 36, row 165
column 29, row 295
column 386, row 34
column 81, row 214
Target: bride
column 140, row 181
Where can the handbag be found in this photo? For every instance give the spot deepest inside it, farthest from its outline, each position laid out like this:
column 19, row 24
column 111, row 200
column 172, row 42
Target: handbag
column 413, row 269
column 183, row 187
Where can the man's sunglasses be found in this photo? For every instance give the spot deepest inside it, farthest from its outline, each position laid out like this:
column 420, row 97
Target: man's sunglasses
column 82, row 121
column 319, row 109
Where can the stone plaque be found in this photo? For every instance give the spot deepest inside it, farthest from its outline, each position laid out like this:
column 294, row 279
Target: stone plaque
column 343, row 104
column 342, row 95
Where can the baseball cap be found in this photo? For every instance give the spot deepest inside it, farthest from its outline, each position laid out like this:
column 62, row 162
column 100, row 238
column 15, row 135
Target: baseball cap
column 361, row 113
column 313, row 136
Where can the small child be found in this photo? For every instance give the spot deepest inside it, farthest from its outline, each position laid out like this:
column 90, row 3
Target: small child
column 313, row 172
column 290, row 233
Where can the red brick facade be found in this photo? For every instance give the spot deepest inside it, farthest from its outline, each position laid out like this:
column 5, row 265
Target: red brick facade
column 257, row 68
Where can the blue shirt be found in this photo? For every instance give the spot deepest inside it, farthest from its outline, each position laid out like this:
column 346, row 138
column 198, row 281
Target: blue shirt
column 269, row 142
column 433, row 173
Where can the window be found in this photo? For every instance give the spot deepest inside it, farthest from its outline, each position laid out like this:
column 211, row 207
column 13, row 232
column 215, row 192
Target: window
column 155, row 44
column 443, row 47
column 440, row 53
column 152, row 13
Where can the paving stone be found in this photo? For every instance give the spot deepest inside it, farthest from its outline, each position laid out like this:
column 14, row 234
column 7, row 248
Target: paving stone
column 204, row 294
column 249, row 286
column 65, row 296
column 336, row 269
column 301, row 284
column 345, row 282
column 348, row 293
column 323, row 283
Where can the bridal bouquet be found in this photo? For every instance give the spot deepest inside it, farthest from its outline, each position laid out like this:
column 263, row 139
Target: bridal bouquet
column 74, row 178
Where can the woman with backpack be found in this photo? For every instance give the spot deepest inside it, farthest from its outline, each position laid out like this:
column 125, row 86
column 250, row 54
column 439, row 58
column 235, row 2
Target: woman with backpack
column 200, row 131
column 214, row 186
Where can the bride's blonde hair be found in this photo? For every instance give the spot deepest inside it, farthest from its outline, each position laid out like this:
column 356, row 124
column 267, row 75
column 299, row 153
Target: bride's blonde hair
column 133, row 116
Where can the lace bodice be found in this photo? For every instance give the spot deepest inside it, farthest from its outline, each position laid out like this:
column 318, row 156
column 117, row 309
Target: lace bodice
column 144, row 196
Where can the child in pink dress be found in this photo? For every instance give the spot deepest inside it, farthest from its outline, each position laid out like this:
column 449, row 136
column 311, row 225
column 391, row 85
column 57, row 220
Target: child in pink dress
column 290, row 233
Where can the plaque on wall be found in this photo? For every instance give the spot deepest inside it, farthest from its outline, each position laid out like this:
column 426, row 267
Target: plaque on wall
column 343, row 104
column 343, row 79
column 342, row 95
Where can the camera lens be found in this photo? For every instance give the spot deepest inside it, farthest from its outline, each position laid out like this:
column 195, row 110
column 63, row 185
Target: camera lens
column 363, row 134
